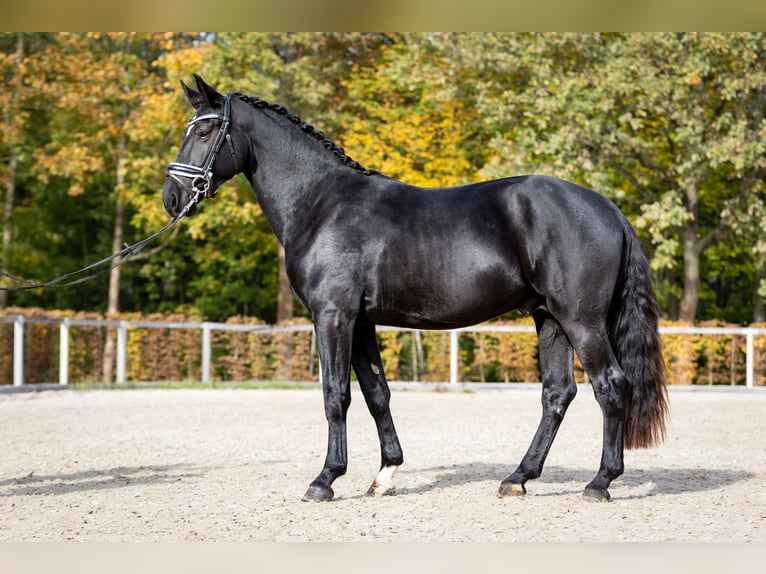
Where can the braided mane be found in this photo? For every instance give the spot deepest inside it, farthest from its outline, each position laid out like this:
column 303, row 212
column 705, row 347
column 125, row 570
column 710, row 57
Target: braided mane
column 329, row 145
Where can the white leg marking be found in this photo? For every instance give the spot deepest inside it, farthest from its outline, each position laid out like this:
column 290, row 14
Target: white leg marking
column 384, row 482
column 386, row 475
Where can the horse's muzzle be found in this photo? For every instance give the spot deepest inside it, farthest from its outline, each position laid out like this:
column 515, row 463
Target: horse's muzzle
column 176, row 199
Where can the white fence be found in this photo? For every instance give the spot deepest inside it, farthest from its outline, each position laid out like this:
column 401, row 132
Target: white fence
column 206, row 328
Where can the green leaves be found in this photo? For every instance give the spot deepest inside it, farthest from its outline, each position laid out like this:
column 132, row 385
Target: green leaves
column 670, row 126
column 669, row 123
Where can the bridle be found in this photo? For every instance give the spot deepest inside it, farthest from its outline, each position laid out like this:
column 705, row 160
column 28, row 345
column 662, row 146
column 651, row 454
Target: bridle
column 202, row 177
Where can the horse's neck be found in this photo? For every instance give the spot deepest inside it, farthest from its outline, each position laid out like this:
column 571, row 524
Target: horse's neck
column 289, row 170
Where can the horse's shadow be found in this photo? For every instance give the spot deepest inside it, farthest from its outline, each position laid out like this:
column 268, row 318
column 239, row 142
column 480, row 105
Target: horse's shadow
column 660, row 481
column 94, row 480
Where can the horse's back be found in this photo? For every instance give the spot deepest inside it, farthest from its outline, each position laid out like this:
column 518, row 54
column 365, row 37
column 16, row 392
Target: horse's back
column 458, row 256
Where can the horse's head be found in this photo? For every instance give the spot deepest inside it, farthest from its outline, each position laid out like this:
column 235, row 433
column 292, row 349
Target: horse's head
column 202, row 163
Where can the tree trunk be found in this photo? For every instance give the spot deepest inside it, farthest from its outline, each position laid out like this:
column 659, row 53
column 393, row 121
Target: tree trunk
column 113, row 296
column 7, row 212
column 690, row 299
column 759, row 310
column 13, row 164
column 692, row 250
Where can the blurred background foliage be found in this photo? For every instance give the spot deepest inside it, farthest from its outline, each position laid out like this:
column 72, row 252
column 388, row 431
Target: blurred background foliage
column 670, row 126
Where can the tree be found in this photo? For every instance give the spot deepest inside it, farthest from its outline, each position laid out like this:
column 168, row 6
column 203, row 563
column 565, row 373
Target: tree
column 670, row 125
column 99, row 83
column 13, row 123
column 24, row 119
column 411, row 120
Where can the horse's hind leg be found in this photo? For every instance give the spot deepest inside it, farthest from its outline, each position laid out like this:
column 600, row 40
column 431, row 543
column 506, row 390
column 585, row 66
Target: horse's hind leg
column 365, row 358
column 559, row 388
column 609, row 386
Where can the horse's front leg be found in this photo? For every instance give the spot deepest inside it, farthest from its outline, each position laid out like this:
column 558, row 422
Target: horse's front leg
column 334, row 335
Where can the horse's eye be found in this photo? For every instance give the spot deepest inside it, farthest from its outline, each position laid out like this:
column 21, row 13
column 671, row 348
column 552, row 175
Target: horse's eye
column 202, row 133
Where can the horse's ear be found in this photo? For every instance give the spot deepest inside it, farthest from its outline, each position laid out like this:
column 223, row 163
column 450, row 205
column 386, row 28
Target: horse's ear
column 213, row 98
column 196, row 99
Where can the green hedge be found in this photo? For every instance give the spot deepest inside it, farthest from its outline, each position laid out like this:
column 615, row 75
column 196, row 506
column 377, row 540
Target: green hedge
column 160, row 354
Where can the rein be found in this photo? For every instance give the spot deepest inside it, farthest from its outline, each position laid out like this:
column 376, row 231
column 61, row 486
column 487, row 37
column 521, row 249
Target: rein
column 123, row 257
column 201, row 185
column 202, row 177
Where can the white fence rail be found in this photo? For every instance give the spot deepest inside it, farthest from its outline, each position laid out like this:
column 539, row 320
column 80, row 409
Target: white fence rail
column 206, row 328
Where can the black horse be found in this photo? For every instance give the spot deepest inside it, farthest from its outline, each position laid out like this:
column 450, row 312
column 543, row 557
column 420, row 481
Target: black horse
column 363, row 249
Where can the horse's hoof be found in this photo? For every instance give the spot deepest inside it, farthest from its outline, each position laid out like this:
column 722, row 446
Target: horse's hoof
column 383, row 485
column 318, row 494
column 511, row 489
column 380, row 489
column 596, row 495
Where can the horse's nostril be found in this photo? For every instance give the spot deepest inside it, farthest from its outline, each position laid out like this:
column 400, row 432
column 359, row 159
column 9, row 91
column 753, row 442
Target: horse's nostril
column 173, row 201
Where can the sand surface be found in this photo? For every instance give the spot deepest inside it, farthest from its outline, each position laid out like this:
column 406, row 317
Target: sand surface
column 232, row 465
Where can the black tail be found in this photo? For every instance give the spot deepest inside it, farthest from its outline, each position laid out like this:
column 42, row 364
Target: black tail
column 634, row 337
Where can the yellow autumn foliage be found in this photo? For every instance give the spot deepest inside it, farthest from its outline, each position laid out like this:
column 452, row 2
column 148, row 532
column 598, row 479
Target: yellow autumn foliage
column 161, row 354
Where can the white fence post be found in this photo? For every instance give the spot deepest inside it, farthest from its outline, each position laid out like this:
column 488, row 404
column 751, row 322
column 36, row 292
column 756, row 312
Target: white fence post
column 453, row 357
column 122, row 351
column 205, row 352
column 18, row 351
column 64, row 352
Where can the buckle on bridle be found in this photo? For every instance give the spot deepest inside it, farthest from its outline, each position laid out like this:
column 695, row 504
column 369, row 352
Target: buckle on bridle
column 202, row 184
